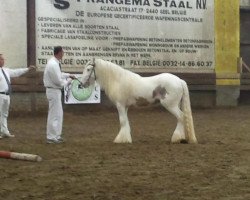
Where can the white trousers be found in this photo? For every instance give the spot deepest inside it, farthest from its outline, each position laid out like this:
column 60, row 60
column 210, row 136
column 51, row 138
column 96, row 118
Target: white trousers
column 55, row 114
column 4, row 112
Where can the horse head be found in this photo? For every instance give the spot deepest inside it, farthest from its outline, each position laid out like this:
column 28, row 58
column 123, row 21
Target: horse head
column 88, row 73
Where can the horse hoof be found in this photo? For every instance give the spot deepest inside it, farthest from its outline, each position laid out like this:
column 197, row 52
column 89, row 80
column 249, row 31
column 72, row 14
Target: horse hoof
column 122, row 140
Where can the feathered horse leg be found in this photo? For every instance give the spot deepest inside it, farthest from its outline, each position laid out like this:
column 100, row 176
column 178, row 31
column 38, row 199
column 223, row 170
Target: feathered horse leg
column 171, row 102
column 179, row 132
column 124, row 135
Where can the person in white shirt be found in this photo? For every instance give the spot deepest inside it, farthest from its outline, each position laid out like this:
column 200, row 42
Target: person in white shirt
column 54, row 80
column 5, row 91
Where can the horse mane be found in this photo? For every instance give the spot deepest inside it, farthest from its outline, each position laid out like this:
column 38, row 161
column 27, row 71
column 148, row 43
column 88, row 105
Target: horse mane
column 108, row 69
column 114, row 79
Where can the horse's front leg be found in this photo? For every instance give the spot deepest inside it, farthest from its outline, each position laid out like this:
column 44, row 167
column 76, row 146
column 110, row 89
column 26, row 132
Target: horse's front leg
column 124, row 135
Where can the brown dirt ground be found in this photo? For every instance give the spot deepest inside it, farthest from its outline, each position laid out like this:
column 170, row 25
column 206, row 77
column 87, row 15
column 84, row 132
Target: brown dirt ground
column 90, row 166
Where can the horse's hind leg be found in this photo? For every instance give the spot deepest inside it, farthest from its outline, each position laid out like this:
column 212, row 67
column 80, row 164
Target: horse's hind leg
column 124, row 135
column 179, row 132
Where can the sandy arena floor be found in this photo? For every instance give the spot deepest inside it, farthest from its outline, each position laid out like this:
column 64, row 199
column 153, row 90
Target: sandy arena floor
column 90, row 166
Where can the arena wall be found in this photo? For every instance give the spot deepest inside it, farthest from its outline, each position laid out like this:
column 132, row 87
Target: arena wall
column 227, row 52
column 219, row 87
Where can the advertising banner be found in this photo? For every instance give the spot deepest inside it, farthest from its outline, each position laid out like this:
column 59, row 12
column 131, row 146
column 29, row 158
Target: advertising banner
column 145, row 34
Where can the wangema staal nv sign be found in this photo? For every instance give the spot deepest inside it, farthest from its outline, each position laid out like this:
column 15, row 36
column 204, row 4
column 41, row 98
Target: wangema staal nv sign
column 155, row 34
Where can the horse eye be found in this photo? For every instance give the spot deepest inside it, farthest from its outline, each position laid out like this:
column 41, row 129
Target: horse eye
column 88, row 70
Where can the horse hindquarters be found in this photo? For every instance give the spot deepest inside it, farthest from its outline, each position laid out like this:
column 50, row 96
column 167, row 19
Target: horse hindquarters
column 188, row 118
column 171, row 101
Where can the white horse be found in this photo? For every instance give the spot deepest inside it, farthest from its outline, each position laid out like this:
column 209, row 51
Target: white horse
column 125, row 88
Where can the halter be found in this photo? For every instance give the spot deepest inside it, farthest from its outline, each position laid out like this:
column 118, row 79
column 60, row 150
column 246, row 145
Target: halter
column 92, row 71
column 87, row 82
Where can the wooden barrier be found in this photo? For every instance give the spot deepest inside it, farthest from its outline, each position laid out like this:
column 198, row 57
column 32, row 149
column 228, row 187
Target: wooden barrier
column 195, row 81
column 20, row 156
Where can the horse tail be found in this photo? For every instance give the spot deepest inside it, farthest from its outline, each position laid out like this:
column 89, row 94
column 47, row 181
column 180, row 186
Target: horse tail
column 188, row 118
